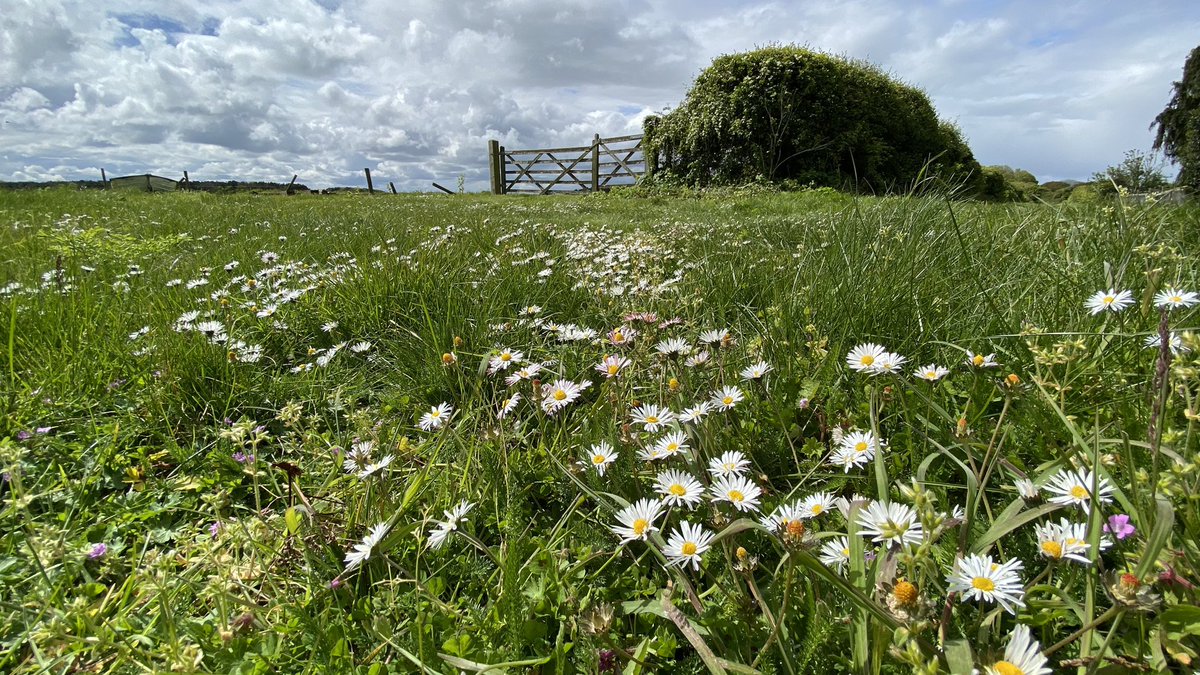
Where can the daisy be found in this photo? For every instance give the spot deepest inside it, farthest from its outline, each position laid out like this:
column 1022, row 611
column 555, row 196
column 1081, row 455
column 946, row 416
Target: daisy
column 508, row 405
column 697, row 360
column 622, row 336
column 688, row 544
column 503, row 359
column 981, row 361
column 652, row 417
column 888, row 363
column 732, row 463
column 439, row 534
column 1174, row 298
column 358, row 456
column 560, row 394
column 673, row 347
column 329, row 327
column 715, row 336
column 436, row 417
column 756, row 371
column 815, row 505
column 726, row 398
column 678, row 488
column 847, row 458
column 362, row 551
column 931, row 372
column 527, row 373
column 835, row 552
column 739, row 491
column 599, row 456
column 1022, row 656
column 612, row 366
column 671, row 444
column 1026, row 489
column 376, row 466
column 1058, row 540
column 1174, row 343
column 863, row 357
column 893, row 523
column 360, row 347
column 978, row 577
column 1109, row 300
column 637, row 521
column 781, row 516
column 695, row 413
column 1074, row 488
column 863, row 444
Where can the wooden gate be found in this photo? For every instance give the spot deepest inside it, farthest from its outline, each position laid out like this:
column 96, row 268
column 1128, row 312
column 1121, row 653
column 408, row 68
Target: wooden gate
column 606, row 163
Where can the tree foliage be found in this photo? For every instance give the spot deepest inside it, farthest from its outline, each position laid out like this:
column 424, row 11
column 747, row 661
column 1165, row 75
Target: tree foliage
column 788, row 114
column 1178, row 133
column 1137, row 172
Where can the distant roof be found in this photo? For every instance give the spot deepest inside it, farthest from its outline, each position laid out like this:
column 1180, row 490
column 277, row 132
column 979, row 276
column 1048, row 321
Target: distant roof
column 145, row 181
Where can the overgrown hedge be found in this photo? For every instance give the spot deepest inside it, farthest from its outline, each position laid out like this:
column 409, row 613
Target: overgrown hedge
column 786, row 114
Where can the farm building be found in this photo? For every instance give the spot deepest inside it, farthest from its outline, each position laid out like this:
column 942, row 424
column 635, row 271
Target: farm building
column 144, row 182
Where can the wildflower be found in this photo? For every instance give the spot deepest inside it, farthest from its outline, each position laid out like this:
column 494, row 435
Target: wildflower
column 454, row 516
column 1119, row 526
column 508, row 405
column 329, row 327
column 1109, row 300
column 978, row 577
column 673, row 347
column 358, row 456
column 1022, row 656
column 731, row 463
column 678, row 488
column 816, row 504
column 1174, row 343
column 782, row 516
column 503, row 359
column 622, row 336
column 714, row 336
column 1173, row 298
column 836, row 552
column 726, row 398
column 981, row 361
column 560, row 394
column 1026, row 489
column 637, row 521
column 600, row 456
column 1074, row 488
column 360, row 347
column 739, row 491
column 892, row 523
column 863, row 357
column 931, row 372
column 527, row 373
column 98, row 551
column 376, row 466
column 362, row 551
column 756, row 371
column 863, row 444
column 436, row 417
column 697, row 360
column 1062, row 540
column 688, row 544
column 695, row 413
column 652, row 417
column 888, row 363
column 612, row 366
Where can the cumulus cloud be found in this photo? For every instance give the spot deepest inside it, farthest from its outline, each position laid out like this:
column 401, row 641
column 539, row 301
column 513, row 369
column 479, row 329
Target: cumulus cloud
column 233, row 90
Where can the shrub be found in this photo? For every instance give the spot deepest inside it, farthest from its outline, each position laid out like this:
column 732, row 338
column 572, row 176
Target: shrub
column 784, row 113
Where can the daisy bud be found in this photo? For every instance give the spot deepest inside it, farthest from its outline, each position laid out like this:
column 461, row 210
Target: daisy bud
column 673, row 384
column 742, row 553
column 1012, row 380
column 448, row 359
column 904, row 592
column 458, row 342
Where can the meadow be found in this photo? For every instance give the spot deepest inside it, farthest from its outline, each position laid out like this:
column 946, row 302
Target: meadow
column 737, row 432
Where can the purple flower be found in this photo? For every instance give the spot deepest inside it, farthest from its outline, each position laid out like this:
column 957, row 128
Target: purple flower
column 98, row 551
column 44, row 430
column 242, row 458
column 336, row 583
column 1119, row 526
column 608, row 661
column 115, row 384
column 23, row 435
column 215, row 528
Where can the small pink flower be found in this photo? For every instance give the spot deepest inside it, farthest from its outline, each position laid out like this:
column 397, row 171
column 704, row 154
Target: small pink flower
column 1119, row 525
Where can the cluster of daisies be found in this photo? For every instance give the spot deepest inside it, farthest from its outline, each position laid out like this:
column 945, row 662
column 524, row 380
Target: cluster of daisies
column 1113, row 300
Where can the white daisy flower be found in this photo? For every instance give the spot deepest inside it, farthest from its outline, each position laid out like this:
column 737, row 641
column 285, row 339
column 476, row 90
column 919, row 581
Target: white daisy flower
column 816, row 504
column 329, row 327
column 440, row 534
column 672, row 443
column 360, row 347
column 358, row 456
column 835, row 553
column 1022, row 656
column 508, row 405
column 739, row 491
column 652, row 417
column 863, row 444
column 697, row 360
column 730, row 463
column 931, row 372
column 688, row 544
column 503, row 359
column 978, row 577
column 863, row 357
column 527, row 373
column 847, row 458
column 622, row 336
column 637, row 520
column 981, row 361
column 695, row 413
column 1026, row 488
column 561, row 393
column 362, row 551
column 437, row 416
column 782, row 516
column 1057, row 541
column 599, row 456
column 756, row 371
column 1173, row 298
column 1174, row 343
column 678, row 488
column 714, row 336
column 1074, row 488
column 376, row 466
column 888, row 363
column 612, row 366
column 891, row 523
column 673, row 346
column 726, row 398
column 1109, row 300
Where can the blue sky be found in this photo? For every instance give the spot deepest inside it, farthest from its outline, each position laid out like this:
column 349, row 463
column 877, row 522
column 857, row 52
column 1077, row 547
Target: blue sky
column 259, row 91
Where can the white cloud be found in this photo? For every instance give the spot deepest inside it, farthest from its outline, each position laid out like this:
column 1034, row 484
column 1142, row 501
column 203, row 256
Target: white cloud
column 234, row 90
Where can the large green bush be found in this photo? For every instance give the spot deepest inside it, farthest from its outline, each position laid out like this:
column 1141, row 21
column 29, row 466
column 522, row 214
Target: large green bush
column 788, row 114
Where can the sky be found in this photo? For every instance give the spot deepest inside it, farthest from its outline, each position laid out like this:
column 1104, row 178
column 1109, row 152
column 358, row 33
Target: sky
column 414, row 90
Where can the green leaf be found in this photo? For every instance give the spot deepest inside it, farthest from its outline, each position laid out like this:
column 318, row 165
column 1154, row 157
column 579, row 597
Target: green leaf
column 959, row 656
column 292, row 518
column 1164, row 518
column 1005, row 524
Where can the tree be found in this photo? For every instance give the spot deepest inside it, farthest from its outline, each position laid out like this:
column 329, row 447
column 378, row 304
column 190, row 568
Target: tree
column 1138, row 172
column 789, row 115
column 1178, row 134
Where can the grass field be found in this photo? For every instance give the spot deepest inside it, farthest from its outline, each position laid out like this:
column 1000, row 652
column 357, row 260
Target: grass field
column 353, row 434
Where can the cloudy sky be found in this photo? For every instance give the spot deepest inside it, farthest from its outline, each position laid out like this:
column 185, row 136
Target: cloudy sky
column 414, row 89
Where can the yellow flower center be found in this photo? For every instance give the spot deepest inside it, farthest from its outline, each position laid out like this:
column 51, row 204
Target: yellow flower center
column 728, row 400
column 1176, row 299
column 817, row 509
column 613, row 368
column 688, row 548
column 977, row 359
column 867, row 359
column 1006, row 668
column 672, row 447
column 651, row 419
column 1108, row 299
column 846, row 552
column 736, row 496
column 861, row 446
column 1052, row 549
column 1071, row 541
column 560, row 395
column 640, row 525
column 618, row 336
column 983, row 584
column 678, row 490
column 904, row 592
column 599, row 459
column 506, row 356
column 931, row 374
column 435, row 414
column 1079, row 492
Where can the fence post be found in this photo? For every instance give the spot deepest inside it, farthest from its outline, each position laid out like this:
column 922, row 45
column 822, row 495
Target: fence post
column 148, row 188
column 503, row 164
column 370, row 185
column 596, row 163
column 103, row 179
column 494, row 165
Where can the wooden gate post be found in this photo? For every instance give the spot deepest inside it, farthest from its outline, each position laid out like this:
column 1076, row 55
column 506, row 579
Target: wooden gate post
column 502, row 163
column 370, row 185
column 596, row 163
column 494, row 165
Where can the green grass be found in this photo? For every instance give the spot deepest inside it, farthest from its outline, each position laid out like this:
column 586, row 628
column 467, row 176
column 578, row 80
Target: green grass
column 216, row 483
